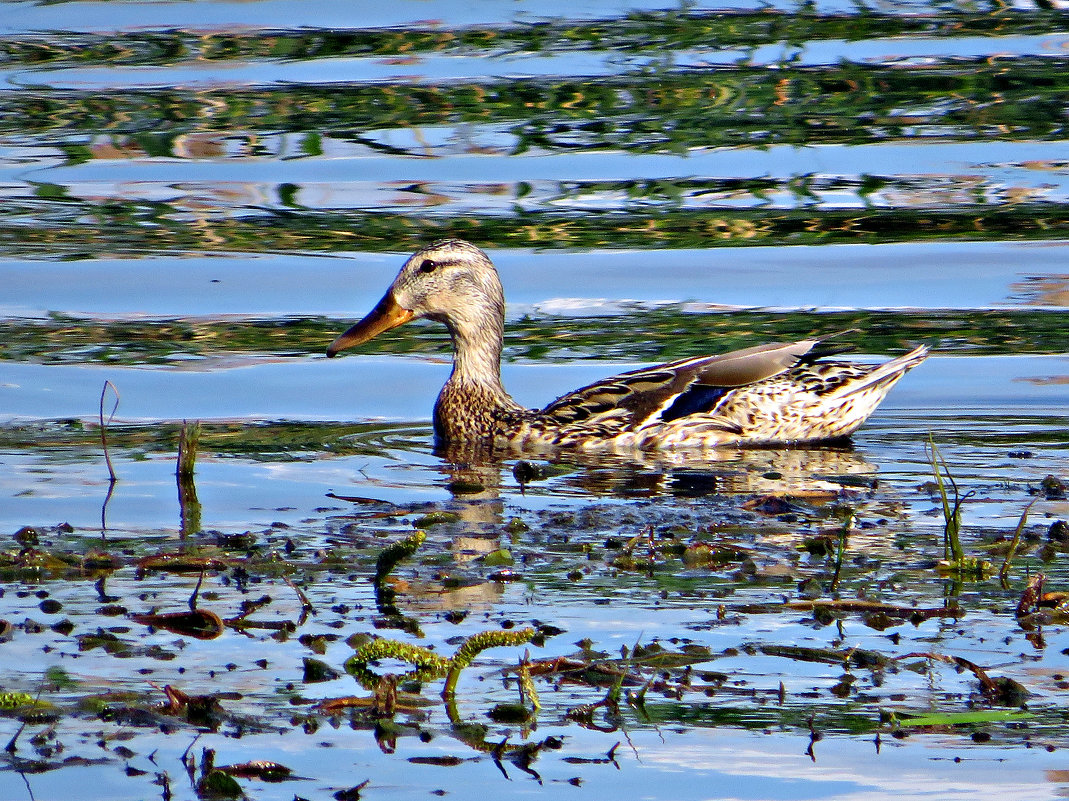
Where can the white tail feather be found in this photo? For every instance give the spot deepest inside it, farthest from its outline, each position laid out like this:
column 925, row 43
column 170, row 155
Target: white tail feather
column 887, row 372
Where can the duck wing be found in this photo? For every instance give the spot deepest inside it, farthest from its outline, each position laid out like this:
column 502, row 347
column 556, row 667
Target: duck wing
column 677, row 389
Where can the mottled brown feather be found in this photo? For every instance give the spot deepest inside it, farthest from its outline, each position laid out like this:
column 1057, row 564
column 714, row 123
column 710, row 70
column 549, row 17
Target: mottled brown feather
column 763, row 394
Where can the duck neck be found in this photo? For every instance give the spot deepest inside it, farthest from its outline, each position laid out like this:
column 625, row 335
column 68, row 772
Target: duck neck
column 477, row 346
column 473, row 403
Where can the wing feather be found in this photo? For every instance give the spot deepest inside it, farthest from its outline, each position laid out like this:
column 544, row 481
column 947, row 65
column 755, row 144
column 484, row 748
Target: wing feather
column 678, row 389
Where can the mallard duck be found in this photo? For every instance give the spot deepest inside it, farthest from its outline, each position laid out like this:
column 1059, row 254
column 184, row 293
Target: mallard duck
column 768, row 394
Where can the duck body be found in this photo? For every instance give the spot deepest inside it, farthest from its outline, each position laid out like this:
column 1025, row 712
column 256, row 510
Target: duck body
column 769, row 394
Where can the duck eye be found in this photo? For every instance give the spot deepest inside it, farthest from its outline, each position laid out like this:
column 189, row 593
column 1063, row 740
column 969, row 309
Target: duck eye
column 428, row 266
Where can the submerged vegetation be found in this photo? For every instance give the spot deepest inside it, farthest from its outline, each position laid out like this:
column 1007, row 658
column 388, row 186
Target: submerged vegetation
column 845, row 564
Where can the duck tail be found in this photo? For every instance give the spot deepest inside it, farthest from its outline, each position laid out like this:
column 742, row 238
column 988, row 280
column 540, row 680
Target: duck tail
column 887, row 374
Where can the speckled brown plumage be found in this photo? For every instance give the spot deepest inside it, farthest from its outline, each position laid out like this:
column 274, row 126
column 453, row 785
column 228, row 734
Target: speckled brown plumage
column 776, row 393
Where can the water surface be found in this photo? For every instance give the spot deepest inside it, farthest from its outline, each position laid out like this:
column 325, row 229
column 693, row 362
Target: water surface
column 197, row 197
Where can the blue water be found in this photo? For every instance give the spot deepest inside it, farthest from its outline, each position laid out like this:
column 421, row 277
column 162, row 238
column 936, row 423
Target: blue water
column 161, row 166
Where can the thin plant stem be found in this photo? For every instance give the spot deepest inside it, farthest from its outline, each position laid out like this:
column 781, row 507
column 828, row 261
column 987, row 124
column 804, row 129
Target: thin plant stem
column 104, row 427
column 1004, row 571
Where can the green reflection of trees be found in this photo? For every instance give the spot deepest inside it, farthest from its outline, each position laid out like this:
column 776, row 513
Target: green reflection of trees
column 646, row 106
column 645, row 110
column 635, row 33
column 666, row 333
column 75, row 229
column 642, row 108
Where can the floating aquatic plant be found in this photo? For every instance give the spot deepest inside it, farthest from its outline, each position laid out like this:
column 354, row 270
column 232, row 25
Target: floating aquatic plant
column 393, row 554
column 471, row 647
column 429, row 665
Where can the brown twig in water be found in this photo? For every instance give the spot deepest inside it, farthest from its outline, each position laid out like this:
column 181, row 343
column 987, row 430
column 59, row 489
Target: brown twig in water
column 188, row 503
column 891, row 610
column 1001, row 689
column 814, row 737
column 104, row 427
column 1029, row 601
column 306, row 605
column 196, row 592
column 188, row 440
column 11, row 748
column 104, row 506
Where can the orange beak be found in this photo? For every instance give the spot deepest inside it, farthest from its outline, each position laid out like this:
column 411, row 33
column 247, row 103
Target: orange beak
column 386, row 315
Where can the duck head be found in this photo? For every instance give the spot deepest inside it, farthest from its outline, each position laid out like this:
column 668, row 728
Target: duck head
column 450, row 281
